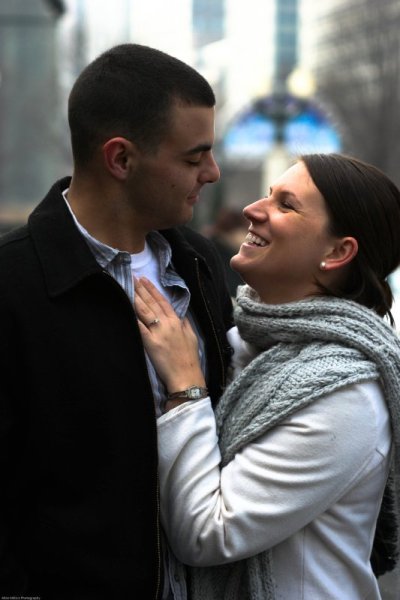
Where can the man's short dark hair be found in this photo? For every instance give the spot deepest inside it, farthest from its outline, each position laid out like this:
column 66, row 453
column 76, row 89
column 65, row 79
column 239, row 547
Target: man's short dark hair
column 128, row 91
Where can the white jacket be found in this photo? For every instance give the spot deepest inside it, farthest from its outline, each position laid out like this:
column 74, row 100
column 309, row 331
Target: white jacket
column 310, row 490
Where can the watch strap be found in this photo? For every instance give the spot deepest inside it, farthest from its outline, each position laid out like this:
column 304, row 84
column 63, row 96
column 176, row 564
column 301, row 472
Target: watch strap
column 194, row 392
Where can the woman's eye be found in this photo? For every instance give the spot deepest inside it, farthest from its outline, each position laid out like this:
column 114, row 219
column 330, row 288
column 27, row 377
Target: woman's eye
column 286, row 204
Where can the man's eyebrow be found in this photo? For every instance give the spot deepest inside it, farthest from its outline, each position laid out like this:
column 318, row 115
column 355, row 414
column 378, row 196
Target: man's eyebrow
column 198, row 149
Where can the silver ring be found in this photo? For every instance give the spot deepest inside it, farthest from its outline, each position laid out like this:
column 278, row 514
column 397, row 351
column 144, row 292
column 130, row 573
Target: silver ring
column 153, row 322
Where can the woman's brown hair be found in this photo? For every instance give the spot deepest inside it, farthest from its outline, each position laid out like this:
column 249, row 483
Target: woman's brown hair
column 363, row 203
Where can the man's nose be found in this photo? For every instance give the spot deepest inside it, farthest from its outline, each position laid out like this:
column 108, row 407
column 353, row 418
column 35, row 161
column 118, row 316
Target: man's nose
column 211, row 172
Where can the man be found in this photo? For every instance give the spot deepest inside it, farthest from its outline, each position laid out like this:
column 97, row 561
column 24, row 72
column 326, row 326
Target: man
column 79, row 398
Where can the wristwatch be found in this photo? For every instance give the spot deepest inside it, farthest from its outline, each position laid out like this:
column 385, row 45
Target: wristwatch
column 194, row 392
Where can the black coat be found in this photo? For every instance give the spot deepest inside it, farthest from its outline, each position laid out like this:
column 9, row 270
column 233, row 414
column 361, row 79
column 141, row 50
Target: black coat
column 78, row 449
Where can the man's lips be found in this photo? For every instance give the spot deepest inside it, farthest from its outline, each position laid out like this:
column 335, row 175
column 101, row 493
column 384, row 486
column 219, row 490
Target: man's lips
column 194, row 197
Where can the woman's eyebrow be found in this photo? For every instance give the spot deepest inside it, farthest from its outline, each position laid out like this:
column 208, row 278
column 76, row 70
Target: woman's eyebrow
column 284, row 192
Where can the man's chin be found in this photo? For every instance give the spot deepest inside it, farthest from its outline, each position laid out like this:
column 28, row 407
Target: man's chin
column 187, row 217
column 178, row 223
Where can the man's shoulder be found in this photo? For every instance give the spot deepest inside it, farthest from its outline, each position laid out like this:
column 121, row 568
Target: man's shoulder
column 15, row 259
column 14, row 238
column 46, row 209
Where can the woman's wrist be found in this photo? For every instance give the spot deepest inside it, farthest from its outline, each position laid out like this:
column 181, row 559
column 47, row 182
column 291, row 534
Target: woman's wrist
column 171, row 404
column 192, row 392
column 184, row 382
column 174, row 403
column 187, row 394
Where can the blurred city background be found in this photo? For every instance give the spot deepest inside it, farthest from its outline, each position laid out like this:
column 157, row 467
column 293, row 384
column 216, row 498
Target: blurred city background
column 290, row 76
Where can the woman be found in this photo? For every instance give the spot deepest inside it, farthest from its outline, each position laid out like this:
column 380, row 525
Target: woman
column 280, row 497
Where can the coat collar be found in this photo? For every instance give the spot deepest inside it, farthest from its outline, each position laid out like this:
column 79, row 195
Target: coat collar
column 65, row 255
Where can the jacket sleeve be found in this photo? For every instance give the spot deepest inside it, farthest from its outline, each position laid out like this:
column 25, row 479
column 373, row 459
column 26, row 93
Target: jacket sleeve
column 13, row 579
column 272, row 488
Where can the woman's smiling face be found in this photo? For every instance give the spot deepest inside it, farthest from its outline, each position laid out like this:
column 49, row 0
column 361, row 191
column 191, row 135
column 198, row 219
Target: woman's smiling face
column 287, row 240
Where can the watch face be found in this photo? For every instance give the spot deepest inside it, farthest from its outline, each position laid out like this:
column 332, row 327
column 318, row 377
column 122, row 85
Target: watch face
column 195, row 393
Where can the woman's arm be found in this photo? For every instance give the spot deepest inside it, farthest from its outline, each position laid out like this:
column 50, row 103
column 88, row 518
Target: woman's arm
column 273, row 488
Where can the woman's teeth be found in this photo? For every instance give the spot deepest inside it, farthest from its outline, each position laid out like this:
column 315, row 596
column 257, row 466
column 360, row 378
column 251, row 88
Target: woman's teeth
column 254, row 239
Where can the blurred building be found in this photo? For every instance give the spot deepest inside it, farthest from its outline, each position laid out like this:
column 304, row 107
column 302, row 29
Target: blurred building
column 247, row 55
column 30, row 151
column 355, row 55
column 273, row 116
column 286, row 42
column 208, row 22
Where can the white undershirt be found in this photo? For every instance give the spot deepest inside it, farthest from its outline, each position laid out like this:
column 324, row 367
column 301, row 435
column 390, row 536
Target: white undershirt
column 146, row 264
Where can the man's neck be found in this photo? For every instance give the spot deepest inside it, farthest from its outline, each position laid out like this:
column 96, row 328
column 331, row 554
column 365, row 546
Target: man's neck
column 106, row 217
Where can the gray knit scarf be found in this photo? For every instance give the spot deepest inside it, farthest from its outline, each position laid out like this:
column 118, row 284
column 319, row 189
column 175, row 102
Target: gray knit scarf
column 308, row 349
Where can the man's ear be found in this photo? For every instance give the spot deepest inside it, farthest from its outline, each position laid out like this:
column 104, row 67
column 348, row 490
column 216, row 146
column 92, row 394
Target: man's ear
column 118, row 153
column 343, row 252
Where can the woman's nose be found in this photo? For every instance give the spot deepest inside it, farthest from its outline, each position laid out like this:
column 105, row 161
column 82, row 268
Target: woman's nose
column 257, row 211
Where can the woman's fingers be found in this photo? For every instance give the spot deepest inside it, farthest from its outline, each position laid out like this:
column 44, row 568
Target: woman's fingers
column 152, row 308
column 145, row 314
column 169, row 341
column 152, row 297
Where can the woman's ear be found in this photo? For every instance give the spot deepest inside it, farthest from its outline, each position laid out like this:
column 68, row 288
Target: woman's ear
column 345, row 249
column 118, row 153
